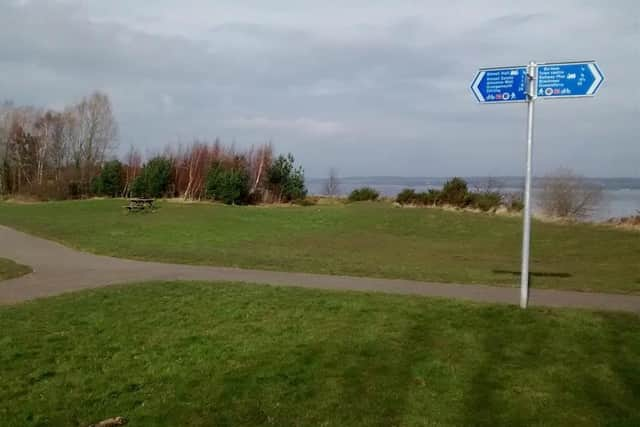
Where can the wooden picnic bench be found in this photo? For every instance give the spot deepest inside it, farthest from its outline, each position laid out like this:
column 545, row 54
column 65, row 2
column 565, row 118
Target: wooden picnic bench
column 140, row 204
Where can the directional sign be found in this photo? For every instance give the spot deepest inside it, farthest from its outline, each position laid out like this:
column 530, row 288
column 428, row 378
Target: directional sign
column 500, row 85
column 568, row 79
column 517, row 84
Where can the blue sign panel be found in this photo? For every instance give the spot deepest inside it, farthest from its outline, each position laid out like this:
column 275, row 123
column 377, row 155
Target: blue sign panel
column 500, row 85
column 568, row 79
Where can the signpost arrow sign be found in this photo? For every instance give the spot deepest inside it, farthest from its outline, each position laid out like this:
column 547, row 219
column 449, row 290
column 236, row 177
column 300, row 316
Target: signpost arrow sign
column 568, row 79
column 495, row 85
column 520, row 84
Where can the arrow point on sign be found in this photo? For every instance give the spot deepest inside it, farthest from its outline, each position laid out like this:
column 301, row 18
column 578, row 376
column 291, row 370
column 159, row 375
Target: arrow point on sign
column 597, row 79
column 475, row 86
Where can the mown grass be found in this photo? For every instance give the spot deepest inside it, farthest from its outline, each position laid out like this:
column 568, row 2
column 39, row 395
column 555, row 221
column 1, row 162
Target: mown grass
column 10, row 269
column 363, row 239
column 175, row 354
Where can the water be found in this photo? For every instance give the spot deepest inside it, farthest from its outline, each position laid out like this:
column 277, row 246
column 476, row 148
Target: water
column 621, row 196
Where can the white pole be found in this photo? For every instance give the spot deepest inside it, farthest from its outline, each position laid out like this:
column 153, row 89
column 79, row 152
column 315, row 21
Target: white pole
column 526, row 234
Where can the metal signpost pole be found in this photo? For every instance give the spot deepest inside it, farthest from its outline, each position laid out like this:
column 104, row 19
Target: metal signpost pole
column 500, row 85
column 526, row 233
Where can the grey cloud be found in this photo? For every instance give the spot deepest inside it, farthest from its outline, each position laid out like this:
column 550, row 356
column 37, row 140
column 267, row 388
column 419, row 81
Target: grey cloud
column 514, row 20
column 50, row 35
column 394, row 88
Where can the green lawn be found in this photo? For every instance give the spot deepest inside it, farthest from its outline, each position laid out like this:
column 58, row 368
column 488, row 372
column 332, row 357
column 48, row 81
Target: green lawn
column 10, row 269
column 177, row 354
column 366, row 239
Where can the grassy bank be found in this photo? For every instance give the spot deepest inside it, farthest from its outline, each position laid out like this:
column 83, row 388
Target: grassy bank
column 11, row 270
column 365, row 239
column 227, row 354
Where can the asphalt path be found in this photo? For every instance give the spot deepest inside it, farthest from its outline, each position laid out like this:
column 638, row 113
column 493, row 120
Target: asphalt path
column 58, row 269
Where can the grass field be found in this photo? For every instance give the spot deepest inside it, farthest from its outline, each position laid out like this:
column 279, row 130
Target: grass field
column 10, row 269
column 366, row 239
column 170, row 354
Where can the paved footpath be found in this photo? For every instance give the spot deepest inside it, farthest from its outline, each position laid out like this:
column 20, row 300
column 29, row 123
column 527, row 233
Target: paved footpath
column 58, row 269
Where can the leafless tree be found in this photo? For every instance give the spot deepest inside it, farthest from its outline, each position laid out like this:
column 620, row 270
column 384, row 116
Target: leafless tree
column 95, row 132
column 5, row 122
column 567, row 195
column 488, row 185
column 58, row 150
column 332, row 184
column 259, row 161
column 132, row 167
column 38, row 149
column 48, row 128
column 23, row 146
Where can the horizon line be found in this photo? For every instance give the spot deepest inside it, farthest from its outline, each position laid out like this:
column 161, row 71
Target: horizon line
column 465, row 176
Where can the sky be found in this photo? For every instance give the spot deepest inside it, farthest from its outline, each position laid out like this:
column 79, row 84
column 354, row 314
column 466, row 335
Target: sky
column 363, row 86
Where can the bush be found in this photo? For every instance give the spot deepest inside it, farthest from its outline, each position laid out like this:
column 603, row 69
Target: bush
column 109, row 181
column 285, row 180
column 485, row 201
column 363, row 194
column 455, row 192
column 294, row 188
column 516, row 206
column 431, row 197
column 228, row 185
column 154, row 179
column 407, row 196
column 514, row 202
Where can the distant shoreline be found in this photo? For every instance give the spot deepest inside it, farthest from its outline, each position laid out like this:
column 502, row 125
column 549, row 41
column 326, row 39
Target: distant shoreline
column 609, row 183
column 621, row 196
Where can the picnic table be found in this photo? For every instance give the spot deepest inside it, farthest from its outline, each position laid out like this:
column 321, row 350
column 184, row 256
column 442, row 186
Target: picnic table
column 137, row 204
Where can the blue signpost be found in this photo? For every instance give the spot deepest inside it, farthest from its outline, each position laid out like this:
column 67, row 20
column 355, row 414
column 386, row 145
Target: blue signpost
column 525, row 84
column 506, row 84
column 571, row 79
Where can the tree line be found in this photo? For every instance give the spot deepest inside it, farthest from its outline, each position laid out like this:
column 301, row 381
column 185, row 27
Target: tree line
column 49, row 154
column 54, row 152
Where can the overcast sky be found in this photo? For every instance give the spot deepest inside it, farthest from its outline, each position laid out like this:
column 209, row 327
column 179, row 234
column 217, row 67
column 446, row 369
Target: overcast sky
column 372, row 88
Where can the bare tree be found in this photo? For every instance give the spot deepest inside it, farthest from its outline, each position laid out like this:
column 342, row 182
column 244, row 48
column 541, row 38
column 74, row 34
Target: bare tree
column 5, row 122
column 567, row 195
column 488, row 185
column 196, row 160
column 259, row 161
column 95, row 132
column 58, row 149
column 48, row 128
column 23, row 146
column 332, row 184
column 37, row 147
column 132, row 165
column 25, row 136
